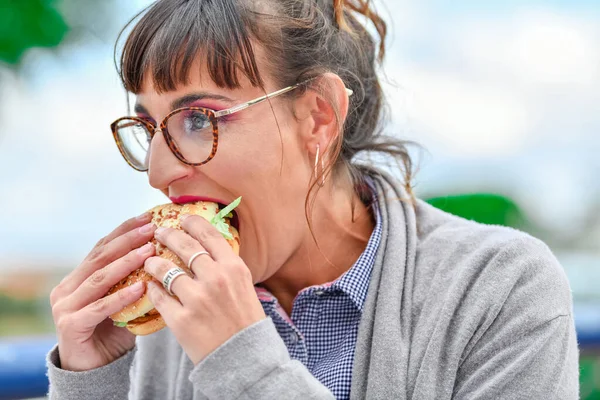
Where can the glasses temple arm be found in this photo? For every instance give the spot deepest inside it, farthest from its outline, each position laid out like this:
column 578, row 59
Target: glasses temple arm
column 243, row 106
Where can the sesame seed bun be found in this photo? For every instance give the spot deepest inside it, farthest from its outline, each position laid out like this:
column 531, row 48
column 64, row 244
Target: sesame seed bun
column 141, row 316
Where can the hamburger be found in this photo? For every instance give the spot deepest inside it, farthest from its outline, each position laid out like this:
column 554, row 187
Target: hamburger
column 140, row 317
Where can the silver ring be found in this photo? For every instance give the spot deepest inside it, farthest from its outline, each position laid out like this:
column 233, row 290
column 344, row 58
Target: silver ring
column 193, row 257
column 170, row 277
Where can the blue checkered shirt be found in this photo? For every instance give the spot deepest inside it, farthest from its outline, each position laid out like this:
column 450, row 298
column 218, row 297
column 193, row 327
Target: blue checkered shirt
column 321, row 332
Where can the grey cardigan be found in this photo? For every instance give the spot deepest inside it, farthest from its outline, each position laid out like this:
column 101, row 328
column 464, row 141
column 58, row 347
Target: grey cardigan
column 454, row 310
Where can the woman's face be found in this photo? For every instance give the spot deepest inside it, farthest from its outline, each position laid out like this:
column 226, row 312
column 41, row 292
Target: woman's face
column 263, row 156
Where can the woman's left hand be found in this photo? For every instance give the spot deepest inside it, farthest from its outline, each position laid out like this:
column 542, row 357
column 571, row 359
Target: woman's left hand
column 214, row 305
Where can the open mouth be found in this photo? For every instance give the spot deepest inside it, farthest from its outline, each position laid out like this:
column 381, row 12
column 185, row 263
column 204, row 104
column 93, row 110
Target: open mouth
column 234, row 221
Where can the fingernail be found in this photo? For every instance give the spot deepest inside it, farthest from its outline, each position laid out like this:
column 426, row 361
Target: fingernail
column 137, row 287
column 160, row 231
column 184, row 217
column 146, row 228
column 147, row 263
column 144, row 217
column 145, row 249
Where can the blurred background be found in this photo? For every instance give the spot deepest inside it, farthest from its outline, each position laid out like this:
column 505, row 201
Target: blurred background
column 503, row 95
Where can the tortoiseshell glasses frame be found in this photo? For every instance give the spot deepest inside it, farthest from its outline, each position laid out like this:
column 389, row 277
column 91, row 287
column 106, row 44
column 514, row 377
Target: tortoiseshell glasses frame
column 212, row 116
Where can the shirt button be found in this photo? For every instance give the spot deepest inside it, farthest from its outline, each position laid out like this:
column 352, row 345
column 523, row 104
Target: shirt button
column 319, row 293
column 293, row 338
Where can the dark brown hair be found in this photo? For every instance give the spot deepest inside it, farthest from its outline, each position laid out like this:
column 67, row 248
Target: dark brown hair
column 302, row 39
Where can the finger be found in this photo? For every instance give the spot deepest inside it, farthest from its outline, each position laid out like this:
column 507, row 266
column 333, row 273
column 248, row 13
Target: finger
column 158, row 267
column 182, row 244
column 208, row 236
column 99, row 283
column 200, row 262
column 93, row 314
column 167, row 306
column 105, row 254
column 128, row 226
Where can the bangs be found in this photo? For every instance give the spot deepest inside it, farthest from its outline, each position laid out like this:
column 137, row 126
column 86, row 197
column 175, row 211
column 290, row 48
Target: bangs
column 173, row 33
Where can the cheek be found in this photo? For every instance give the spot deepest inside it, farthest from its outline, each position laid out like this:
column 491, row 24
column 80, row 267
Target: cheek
column 255, row 149
column 249, row 163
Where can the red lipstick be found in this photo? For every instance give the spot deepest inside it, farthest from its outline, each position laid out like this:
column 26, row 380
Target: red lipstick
column 191, row 199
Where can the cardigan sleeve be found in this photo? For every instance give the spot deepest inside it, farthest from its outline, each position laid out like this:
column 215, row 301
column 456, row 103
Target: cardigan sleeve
column 255, row 364
column 110, row 381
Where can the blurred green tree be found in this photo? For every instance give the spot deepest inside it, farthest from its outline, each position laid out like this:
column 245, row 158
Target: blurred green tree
column 491, row 209
column 52, row 24
column 29, row 23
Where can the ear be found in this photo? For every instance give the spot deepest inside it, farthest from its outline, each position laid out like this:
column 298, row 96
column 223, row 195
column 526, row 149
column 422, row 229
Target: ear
column 316, row 112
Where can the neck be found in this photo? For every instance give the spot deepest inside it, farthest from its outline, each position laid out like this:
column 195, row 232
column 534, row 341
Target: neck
column 340, row 240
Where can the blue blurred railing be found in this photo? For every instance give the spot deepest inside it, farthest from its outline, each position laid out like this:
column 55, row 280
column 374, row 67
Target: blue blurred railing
column 23, row 368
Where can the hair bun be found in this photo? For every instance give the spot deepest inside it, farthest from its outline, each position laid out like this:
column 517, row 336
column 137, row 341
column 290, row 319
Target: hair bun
column 338, row 12
column 362, row 7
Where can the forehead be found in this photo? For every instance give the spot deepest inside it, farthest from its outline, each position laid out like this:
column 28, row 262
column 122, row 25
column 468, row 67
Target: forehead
column 197, row 85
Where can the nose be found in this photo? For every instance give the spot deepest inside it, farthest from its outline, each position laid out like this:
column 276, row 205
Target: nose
column 163, row 167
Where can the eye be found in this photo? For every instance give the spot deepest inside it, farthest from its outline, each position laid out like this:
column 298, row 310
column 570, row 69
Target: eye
column 195, row 121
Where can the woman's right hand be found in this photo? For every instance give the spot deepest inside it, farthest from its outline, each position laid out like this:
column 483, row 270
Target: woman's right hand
column 87, row 338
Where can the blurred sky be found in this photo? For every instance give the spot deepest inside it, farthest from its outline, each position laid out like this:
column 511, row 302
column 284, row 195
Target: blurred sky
column 504, row 95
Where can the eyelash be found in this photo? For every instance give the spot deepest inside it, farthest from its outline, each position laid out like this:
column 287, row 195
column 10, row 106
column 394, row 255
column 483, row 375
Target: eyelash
column 221, row 120
column 216, row 107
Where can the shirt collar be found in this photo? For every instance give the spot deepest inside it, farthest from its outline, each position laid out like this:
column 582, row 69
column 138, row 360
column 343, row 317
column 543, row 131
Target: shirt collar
column 355, row 281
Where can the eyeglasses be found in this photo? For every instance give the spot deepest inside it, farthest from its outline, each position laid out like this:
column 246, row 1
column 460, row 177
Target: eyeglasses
column 192, row 133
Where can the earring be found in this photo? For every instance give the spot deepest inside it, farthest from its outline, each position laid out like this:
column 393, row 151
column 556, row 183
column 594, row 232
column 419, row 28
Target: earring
column 320, row 182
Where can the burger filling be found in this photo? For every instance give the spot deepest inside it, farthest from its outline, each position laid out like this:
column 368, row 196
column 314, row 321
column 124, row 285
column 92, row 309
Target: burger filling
column 232, row 218
column 226, row 214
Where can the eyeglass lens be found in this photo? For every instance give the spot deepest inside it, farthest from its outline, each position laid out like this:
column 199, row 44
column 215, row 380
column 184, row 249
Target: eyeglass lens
column 191, row 131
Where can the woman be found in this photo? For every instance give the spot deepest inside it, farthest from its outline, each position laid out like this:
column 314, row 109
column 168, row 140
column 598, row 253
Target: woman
column 345, row 286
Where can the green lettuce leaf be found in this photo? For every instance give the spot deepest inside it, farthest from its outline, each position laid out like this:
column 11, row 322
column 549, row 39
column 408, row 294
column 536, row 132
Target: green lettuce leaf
column 218, row 221
column 120, row 324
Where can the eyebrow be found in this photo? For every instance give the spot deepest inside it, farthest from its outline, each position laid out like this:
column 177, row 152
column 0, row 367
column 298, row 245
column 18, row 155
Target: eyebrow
column 185, row 100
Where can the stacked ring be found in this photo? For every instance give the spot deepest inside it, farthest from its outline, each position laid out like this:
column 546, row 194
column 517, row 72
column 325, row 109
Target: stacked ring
column 193, row 257
column 170, row 276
